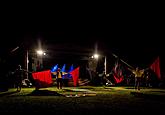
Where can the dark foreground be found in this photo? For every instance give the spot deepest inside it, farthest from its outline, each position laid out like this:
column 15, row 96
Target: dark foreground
column 84, row 100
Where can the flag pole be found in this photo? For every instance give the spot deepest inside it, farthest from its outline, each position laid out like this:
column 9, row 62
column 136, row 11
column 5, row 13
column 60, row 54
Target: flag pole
column 122, row 60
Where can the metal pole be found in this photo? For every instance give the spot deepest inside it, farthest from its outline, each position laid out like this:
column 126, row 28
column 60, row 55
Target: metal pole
column 105, row 65
column 27, row 63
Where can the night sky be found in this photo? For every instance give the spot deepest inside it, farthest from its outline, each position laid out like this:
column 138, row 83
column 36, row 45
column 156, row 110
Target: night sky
column 135, row 37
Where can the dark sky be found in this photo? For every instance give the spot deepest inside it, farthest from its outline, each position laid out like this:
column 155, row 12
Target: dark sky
column 135, row 36
column 135, row 47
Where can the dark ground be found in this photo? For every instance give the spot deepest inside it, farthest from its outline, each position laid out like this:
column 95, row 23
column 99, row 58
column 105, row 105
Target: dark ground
column 84, row 100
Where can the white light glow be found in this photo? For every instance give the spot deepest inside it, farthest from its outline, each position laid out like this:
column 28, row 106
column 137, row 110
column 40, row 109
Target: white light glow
column 96, row 56
column 40, row 52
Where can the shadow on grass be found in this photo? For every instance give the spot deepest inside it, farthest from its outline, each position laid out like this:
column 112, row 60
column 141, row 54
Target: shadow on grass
column 129, row 88
column 70, row 90
column 86, row 88
column 8, row 93
column 108, row 88
column 158, row 91
column 148, row 96
column 44, row 93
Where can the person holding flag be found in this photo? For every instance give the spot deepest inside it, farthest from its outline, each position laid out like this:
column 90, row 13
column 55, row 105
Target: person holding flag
column 138, row 76
column 59, row 75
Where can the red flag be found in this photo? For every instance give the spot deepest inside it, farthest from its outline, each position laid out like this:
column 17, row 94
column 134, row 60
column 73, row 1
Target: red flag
column 155, row 66
column 43, row 78
column 75, row 75
column 118, row 76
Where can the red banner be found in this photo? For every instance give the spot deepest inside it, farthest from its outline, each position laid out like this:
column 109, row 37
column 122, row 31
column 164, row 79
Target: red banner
column 155, row 66
column 43, row 78
column 75, row 75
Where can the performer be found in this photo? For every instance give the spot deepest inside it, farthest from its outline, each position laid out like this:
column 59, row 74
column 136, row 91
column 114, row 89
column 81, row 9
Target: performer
column 59, row 75
column 138, row 76
column 18, row 77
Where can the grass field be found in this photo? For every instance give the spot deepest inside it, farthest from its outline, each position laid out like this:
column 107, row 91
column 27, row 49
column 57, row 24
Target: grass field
column 84, row 100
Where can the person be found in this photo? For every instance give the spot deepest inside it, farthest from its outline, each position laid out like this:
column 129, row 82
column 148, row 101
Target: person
column 18, row 78
column 103, row 78
column 138, row 77
column 128, row 79
column 148, row 79
column 59, row 78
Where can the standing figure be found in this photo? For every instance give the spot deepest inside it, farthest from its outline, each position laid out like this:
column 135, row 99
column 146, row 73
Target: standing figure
column 138, row 77
column 104, row 79
column 59, row 78
column 59, row 74
column 148, row 79
column 18, row 78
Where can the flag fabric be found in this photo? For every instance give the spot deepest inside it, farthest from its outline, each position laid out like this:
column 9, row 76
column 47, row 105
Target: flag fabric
column 54, row 68
column 71, row 69
column 64, row 76
column 117, row 73
column 63, row 68
column 42, row 79
column 75, row 76
column 155, row 67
